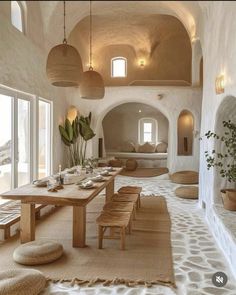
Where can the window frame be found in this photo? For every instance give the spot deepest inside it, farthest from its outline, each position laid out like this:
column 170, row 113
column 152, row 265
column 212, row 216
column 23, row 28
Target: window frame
column 119, row 58
column 50, row 136
column 23, row 16
column 33, row 131
column 154, row 133
column 16, row 95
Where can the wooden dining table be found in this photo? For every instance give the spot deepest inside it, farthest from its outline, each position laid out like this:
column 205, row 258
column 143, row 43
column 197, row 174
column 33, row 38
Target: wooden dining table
column 70, row 195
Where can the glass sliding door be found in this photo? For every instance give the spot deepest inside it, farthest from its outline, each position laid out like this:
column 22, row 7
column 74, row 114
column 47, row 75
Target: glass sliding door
column 44, row 140
column 24, row 144
column 6, row 152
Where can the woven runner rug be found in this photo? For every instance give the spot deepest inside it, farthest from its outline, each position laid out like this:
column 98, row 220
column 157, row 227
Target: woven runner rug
column 145, row 172
column 146, row 260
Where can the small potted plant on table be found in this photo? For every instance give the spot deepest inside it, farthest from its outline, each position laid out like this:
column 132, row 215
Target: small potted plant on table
column 225, row 161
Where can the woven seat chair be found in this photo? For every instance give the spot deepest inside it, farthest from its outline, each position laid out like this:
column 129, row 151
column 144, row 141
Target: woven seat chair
column 132, row 190
column 112, row 220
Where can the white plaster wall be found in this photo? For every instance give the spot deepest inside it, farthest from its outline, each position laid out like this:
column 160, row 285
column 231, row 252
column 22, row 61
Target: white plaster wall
column 217, row 33
column 23, row 67
column 175, row 100
column 219, row 58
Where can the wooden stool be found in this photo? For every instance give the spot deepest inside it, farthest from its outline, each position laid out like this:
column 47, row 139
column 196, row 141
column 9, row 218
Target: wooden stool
column 131, row 190
column 109, row 219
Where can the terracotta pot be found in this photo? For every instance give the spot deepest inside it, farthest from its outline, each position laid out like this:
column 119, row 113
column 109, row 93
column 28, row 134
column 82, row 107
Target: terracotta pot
column 229, row 199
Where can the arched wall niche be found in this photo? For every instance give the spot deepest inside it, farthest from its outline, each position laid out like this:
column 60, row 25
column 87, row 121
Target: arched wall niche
column 225, row 112
column 185, row 133
column 122, row 124
column 99, row 130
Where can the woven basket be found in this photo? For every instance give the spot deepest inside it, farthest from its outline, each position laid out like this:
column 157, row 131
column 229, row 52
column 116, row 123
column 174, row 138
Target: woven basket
column 185, row 177
column 229, row 199
column 131, row 165
column 187, row 192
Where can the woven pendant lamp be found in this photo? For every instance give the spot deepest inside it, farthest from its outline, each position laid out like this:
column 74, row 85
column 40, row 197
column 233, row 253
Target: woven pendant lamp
column 64, row 66
column 92, row 85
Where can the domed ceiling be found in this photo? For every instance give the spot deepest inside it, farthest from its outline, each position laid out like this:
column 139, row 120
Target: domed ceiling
column 161, row 41
column 159, row 32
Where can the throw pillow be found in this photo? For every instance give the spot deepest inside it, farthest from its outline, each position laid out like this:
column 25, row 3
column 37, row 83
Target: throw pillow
column 161, row 147
column 128, row 147
column 147, row 148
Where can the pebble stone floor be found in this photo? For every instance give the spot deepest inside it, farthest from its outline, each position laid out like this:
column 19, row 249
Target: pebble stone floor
column 195, row 253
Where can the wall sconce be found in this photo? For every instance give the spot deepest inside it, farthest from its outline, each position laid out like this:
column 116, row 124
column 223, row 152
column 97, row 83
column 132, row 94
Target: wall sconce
column 220, row 84
column 141, row 63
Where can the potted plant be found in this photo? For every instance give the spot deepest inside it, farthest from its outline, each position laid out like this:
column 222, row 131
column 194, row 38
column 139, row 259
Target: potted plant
column 225, row 161
column 75, row 136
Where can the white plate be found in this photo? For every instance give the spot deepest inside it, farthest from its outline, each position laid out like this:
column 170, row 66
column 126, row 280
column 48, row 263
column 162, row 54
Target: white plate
column 86, row 187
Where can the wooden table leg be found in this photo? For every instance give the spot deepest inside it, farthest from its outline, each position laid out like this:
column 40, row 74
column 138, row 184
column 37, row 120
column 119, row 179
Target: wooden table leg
column 79, row 226
column 110, row 188
column 27, row 223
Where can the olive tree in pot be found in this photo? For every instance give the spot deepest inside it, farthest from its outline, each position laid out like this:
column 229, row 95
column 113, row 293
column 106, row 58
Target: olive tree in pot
column 225, row 161
column 75, row 136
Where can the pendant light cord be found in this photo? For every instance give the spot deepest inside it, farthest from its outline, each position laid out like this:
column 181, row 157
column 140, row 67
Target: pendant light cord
column 90, row 41
column 64, row 40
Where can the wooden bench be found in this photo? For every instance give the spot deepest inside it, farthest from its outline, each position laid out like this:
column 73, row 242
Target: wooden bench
column 132, row 190
column 112, row 220
column 10, row 213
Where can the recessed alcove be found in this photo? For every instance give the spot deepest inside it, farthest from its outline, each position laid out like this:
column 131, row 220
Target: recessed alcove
column 185, row 133
column 226, row 111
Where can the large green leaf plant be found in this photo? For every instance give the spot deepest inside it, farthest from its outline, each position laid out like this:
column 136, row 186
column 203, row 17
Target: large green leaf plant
column 75, row 136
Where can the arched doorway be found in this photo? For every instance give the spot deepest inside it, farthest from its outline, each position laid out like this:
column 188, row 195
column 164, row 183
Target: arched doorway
column 122, row 124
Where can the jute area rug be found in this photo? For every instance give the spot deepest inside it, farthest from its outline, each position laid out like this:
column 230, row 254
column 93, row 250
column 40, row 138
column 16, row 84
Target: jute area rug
column 145, row 172
column 146, row 260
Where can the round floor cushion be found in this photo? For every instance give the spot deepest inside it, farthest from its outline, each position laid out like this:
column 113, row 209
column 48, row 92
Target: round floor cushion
column 21, row 282
column 187, row 192
column 185, row 177
column 37, row 252
column 131, row 165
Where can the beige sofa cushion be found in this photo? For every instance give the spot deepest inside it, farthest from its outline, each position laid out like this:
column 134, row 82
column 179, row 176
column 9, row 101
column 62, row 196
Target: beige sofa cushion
column 161, row 147
column 21, row 282
column 146, row 148
column 128, row 146
column 37, row 252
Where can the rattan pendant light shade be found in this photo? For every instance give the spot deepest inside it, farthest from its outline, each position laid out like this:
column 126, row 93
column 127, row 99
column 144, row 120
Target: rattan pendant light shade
column 64, row 66
column 92, row 85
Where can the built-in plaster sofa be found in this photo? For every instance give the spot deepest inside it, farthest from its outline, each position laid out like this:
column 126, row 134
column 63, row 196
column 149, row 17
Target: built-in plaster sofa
column 146, row 155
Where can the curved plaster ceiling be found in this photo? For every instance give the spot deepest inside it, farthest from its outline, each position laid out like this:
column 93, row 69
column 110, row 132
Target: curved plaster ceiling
column 52, row 12
column 144, row 33
column 161, row 41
